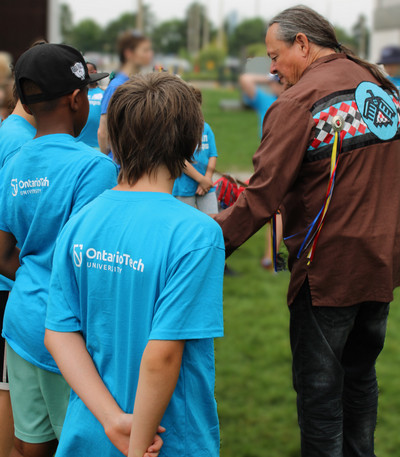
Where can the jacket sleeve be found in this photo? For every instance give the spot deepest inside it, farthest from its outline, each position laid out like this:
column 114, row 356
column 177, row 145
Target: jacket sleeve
column 287, row 132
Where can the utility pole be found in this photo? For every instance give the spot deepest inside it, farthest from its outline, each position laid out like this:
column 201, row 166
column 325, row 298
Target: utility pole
column 194, row 28
column 206, row 27
column 140, row 16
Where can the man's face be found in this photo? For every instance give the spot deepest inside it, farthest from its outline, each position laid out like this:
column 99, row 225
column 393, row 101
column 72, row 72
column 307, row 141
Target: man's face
column 287, row 61
column 393, row 70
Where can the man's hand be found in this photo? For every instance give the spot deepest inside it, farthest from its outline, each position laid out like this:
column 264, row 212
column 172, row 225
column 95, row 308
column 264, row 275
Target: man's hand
column 118, row 431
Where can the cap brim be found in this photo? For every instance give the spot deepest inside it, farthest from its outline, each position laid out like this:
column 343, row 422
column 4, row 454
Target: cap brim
column 98, row 76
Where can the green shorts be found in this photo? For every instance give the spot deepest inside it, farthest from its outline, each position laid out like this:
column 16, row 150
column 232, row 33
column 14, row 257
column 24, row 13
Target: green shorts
column 39, row 400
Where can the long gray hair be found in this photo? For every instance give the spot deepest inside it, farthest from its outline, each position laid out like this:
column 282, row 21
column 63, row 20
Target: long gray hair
column 301, row 19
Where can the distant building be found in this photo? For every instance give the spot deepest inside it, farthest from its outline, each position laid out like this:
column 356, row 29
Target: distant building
column 24, row 21
column 386, row 26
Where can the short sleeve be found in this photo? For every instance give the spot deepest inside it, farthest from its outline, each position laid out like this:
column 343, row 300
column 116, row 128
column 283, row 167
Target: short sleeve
column 100, row 175
column 261, row 101
column 63, row 303
column 212, row 147
column 190, row 305
column 108, row 93
column 4, row 212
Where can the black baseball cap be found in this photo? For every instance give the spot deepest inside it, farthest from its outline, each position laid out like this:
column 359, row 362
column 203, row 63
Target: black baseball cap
column 390, row 55
column 57, row 69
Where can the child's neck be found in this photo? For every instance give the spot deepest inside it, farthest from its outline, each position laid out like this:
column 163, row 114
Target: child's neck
column 19, row 111
column 160, row 182
column 54, row 122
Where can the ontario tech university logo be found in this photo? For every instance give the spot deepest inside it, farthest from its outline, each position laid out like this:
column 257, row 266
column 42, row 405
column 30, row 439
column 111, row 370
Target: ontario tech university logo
column 30, row 186
column 100, row 259
column 78, row 254
column 378, row 110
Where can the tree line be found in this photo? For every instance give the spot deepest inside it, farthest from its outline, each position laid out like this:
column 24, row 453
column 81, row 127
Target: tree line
column 189, row 36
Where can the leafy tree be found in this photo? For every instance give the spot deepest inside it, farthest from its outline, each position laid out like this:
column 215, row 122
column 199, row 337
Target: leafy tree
column 250, row 31
column 256, row 50
column 211, row 58
column 127, row 21
column 170, row 37
column 87, row 35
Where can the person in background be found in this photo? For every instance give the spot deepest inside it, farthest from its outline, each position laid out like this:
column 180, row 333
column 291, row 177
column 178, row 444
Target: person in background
column 135, row 52
column 390, row 59
column 260, row 100
column 151, row 354
column 195, row 185
column 15, row 130
column 5, row 85
column 95, row 96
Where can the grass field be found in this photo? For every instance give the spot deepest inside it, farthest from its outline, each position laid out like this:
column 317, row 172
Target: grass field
column 254, row 392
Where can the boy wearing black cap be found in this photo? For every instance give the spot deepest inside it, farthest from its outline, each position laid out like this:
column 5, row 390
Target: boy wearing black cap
column 42, row 186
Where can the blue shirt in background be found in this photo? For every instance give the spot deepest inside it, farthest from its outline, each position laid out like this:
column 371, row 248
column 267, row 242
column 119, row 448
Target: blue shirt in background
column 48, row 180
column 184, row 185
column 119, row 79
column 158, row 277
column 395, row 81
column 89, row 132
column 15, row 131
column 260, row 104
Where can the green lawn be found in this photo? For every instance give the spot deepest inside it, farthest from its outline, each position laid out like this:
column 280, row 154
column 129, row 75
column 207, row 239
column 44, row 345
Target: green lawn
column 254, row 392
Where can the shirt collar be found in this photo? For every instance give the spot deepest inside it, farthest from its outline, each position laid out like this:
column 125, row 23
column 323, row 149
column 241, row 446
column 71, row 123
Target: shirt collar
column 322, row 60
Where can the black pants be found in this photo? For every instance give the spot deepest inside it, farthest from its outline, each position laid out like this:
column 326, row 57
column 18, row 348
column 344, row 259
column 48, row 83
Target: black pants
column 334, row 354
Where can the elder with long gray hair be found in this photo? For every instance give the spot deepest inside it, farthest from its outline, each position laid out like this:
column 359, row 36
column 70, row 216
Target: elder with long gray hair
column 330, row 159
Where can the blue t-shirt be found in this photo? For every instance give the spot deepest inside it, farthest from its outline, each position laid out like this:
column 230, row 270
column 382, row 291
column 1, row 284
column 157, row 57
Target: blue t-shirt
column 48, row 180
column 15, row 131
column 119, row 79
column 261, row 104
column 89, row 132
column 395, row 81
column 158, row 277
column 184, row 185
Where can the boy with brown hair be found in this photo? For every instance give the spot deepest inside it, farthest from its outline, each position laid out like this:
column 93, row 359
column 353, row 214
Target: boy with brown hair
column 42, row 186
column 151, row 293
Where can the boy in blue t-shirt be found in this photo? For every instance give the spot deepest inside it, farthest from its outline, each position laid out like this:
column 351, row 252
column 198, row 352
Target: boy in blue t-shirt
column 95, row 96
column 132, row 317
column 49, row 179
column 195, row 186
column 15, row 131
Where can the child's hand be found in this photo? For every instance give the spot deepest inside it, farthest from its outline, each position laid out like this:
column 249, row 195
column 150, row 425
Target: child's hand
column 118, row 431
column 200, row 191
column 204, row 186
column 155, row 448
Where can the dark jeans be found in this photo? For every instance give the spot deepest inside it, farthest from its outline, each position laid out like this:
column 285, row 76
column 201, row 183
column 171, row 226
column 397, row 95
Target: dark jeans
column 334, row 354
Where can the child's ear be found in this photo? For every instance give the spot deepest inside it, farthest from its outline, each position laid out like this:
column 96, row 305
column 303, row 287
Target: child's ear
column 74, row 100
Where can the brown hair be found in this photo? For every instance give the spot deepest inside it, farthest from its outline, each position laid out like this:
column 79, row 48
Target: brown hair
column 153, row 120
column 318, row 30
column 197, row 94
column 129, row 40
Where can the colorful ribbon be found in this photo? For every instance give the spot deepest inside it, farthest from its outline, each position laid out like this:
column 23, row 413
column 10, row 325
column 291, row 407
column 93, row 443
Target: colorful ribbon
column 318, row 223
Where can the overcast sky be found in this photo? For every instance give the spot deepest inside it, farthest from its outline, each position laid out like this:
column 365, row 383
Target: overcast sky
column 340, row 12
